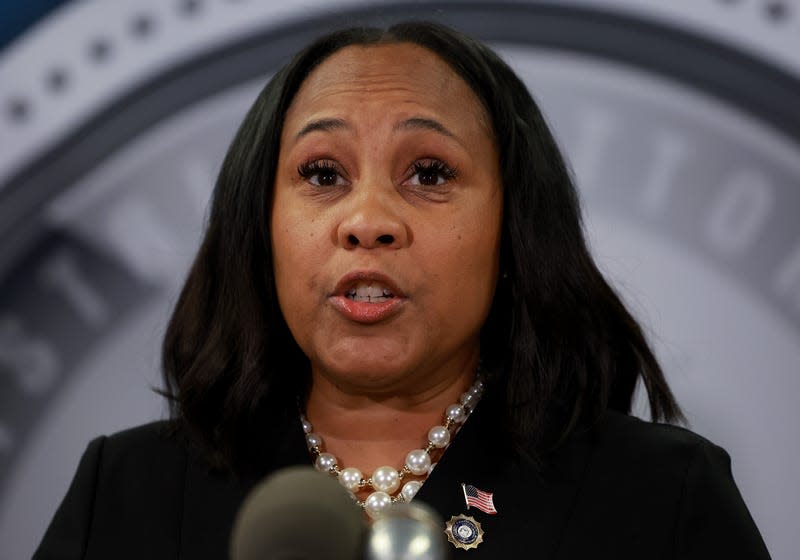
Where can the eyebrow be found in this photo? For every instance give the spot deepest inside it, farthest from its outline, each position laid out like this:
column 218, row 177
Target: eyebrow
column 324, row 125
column 413, row 123
column 423, row 123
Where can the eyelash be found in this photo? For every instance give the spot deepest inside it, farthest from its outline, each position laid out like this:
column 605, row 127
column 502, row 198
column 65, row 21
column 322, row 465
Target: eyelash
column 310, row 169
column 314, row 168
column 443, row 170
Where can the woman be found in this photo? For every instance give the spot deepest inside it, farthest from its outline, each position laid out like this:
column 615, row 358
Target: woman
column 395, row 244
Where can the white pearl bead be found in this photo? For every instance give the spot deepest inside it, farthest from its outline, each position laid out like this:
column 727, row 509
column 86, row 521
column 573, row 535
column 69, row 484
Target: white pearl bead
column 350, row 478
column 456, row 413
column 410, row 489
column 377, row 503
column 385, row 479
column 313, row 440
column 418, row 461
column 325, row 462
column 468, row 399
column 439, row 436
column 478, row 386
column 307, row 428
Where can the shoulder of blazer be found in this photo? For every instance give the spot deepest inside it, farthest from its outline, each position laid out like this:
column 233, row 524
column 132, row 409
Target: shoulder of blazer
column 125, row 501
column 650, row 457
column 143, row 455
column 139, row 493
column 658, row 487
column 638, row 469
column 138, row 442
column 682, row 483
column 625, row 436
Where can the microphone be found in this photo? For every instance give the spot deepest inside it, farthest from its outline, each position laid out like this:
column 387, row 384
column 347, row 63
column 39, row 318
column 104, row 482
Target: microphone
column 406, row 532
column 299, row 513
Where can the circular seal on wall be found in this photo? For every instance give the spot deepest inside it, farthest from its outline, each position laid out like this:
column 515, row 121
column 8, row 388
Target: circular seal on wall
column 686, row 150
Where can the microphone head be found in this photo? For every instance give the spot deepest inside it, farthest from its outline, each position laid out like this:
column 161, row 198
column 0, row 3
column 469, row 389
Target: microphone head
column 298, row 513
column 407, row 532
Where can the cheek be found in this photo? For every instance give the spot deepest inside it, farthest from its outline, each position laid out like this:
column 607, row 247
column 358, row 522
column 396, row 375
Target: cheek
column 463, row 262
column 476, row 241
column 478, row 268
column 296, row 228
column 482, row 258
column 296, row 254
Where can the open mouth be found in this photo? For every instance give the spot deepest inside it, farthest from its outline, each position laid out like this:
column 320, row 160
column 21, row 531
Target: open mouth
column 369, row 293
column 367, row 297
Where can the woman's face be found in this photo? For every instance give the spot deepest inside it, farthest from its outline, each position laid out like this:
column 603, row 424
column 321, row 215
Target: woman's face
column 386, row 219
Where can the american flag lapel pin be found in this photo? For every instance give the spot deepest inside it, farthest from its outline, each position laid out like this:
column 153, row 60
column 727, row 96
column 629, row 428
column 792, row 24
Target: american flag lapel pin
column 463, row 531
column 479, row 499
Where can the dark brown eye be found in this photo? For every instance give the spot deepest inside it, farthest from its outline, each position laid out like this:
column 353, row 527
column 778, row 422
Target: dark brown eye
column 326, row 177
column 429, row 177
column 320, row 173
column 431, row 173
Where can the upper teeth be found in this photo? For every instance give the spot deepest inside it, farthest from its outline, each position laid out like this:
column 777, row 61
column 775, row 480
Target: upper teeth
column 369, row 291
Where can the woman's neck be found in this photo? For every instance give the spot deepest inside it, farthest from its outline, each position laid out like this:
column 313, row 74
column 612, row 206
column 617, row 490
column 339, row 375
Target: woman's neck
column 368, row 431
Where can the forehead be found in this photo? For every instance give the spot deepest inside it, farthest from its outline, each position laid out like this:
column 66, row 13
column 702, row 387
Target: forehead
column 403, row 74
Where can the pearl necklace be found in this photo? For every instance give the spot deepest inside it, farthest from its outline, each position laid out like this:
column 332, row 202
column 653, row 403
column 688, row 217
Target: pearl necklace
column 385, row 481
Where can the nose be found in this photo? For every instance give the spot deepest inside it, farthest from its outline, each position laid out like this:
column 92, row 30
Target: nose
column 371, row 221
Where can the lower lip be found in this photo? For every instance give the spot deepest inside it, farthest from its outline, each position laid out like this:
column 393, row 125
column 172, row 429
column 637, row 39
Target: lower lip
column 365, row 312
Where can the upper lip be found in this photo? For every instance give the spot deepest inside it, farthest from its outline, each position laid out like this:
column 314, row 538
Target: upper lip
column 352, row 279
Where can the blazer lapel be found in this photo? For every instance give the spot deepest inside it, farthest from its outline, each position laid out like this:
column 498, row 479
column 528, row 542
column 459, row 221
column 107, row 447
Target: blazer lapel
column 533, row 507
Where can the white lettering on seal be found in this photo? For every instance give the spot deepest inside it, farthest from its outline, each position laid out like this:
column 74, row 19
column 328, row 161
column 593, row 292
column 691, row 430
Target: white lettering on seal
column 30, row 360
column 741, row 210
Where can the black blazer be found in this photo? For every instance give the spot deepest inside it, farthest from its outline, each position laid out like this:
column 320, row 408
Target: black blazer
column 626, row 489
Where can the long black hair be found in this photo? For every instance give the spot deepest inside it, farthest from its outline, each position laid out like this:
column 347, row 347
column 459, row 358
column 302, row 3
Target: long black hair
column 559, row 343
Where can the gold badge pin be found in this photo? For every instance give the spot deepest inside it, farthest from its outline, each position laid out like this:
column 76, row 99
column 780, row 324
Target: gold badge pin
column 464, row 532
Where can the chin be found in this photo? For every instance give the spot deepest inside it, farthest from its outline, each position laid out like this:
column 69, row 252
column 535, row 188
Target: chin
column 371, row 374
